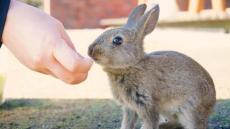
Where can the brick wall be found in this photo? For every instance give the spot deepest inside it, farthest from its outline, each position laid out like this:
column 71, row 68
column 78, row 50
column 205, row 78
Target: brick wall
column 88, row 13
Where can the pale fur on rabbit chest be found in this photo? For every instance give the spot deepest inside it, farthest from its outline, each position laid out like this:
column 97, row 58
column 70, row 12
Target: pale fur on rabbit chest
column 169, row 88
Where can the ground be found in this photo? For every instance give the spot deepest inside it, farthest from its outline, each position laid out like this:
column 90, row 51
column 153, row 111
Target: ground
column 80, row 114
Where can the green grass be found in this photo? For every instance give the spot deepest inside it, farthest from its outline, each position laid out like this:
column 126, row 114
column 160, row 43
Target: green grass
column 59, row 114
column 221, row 117
column 80, row 114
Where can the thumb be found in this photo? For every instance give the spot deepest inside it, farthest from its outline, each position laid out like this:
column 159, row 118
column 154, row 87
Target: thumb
column 69, row 58
column 85, row 64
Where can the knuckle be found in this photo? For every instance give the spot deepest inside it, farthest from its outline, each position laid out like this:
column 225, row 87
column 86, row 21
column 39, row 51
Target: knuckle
column 33, row 67
column 84, row 77
column 71, row 80
column 76, row 79
column 74, row 67
column 36, row 62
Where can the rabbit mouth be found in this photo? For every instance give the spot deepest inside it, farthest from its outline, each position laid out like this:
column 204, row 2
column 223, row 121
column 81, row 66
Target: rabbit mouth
column 98, row 57
column 93, row 54
column 95, row 58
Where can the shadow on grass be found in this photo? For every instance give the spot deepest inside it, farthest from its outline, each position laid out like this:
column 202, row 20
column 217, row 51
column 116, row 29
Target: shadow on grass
column 22, row 103
column 80, row 114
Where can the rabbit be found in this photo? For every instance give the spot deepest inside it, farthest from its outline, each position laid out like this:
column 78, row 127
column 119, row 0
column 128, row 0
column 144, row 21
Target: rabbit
column 161, row 83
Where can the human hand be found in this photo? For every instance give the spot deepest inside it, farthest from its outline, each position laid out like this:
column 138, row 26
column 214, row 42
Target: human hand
column 40, row 42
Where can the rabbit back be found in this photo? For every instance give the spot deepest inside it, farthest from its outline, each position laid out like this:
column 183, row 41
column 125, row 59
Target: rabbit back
column 178, row 76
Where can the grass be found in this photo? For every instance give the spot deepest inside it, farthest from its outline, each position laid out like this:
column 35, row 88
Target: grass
column 221, row 117
column 80, row 114
column 59, row 114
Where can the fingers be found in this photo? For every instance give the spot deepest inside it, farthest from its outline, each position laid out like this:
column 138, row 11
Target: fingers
column 67, row 65
column 67, row 38
column 44, row 71
column 69, row 77
column 71, row 60
column 84, row 64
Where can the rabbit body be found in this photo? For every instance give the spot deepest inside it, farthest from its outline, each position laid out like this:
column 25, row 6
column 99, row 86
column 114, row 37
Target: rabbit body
column 166, row 83
column 163, row 83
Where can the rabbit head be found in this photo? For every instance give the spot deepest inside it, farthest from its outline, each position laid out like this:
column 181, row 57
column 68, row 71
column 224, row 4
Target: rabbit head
column 123, row 47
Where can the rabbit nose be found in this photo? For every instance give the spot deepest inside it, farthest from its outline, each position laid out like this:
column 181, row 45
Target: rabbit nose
column 91, row 50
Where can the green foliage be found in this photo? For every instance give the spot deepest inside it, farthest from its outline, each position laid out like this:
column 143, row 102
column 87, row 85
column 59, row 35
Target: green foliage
column 35, row 3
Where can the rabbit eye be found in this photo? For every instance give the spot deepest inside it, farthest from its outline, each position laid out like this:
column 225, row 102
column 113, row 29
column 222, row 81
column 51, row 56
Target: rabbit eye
column 117, row 40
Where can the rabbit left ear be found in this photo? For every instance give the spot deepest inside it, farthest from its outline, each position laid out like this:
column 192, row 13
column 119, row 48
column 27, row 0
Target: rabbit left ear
column 148, row 21
column 135, row 15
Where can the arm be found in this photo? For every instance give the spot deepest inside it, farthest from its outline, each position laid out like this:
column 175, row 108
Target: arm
column 40, row 42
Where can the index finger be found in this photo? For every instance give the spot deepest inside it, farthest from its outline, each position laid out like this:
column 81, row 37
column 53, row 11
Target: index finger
column 70, row 59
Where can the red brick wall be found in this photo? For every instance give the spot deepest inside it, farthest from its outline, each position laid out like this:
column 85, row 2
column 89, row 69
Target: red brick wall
column 87, row 13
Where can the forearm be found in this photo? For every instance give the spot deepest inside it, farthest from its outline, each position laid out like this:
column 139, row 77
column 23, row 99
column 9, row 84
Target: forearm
column 4, row 6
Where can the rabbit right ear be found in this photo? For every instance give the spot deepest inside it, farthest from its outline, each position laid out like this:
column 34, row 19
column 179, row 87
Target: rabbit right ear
column 135, row 15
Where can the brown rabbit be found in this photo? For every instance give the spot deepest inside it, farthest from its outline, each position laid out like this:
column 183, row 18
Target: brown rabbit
column 165, row 83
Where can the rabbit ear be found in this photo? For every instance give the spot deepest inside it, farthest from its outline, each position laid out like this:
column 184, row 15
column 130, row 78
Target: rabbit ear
column 148, row 21
column 135, row 15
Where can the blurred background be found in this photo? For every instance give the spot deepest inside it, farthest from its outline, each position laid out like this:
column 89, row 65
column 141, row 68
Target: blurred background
column 198, row 28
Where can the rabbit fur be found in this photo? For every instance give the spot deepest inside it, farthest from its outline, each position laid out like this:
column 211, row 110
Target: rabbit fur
column 161, row 83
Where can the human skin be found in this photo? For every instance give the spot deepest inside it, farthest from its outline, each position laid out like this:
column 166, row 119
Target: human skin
column 40, row 42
